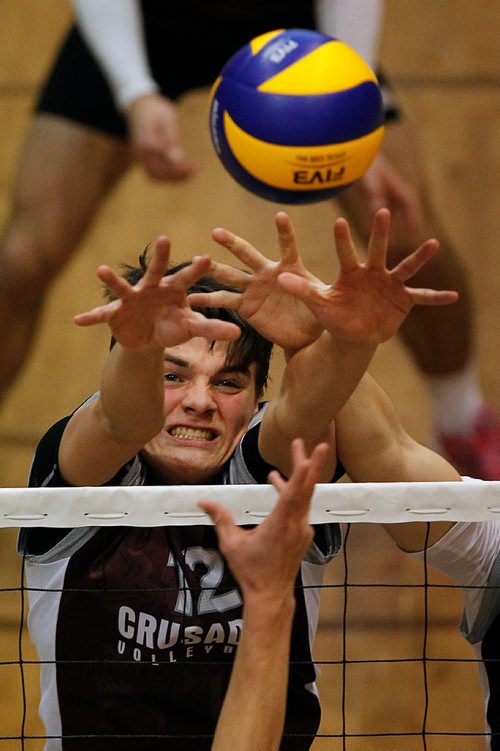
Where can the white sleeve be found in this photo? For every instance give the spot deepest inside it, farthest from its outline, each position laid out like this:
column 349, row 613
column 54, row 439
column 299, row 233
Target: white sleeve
column 356, row 22
column 113, row 30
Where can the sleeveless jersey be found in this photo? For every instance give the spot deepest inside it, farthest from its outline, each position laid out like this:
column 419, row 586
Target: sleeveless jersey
column 137, row 628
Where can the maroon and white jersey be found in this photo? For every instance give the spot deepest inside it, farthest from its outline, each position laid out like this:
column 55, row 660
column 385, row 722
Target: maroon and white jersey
column 137, row 628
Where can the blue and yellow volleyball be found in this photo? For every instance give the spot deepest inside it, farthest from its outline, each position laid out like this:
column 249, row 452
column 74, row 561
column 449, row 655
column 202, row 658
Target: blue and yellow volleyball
column 296, row 116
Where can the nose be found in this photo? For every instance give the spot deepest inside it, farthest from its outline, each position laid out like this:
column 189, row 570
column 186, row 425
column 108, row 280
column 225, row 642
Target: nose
column 198, row 398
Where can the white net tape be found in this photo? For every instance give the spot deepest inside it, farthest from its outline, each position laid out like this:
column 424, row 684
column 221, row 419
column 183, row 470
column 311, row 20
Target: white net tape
column 156, row 506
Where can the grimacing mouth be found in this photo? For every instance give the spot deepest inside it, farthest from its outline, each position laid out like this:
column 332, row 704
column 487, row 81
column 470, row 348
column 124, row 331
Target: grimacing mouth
column 192, row 434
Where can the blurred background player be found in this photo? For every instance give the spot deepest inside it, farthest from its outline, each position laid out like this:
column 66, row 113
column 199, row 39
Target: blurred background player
column 124, row 54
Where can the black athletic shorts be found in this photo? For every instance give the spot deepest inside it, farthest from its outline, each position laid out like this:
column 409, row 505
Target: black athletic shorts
column 187, row 49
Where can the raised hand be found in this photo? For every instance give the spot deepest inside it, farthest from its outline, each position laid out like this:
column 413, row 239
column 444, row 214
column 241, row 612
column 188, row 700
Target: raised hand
column 281, row 317
column 265, row 560
column 156, row 312
column 382, row 186
column 368, row 302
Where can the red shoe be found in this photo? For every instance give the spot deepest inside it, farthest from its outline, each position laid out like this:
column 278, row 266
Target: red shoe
column 477, row 453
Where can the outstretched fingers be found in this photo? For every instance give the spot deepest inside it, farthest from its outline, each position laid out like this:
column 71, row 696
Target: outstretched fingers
column 344, row 246
column 101, row 314
column 312, row 466
column 213, row 328
column 240, row 248
column 118, row 286
column 159, row 262
column 409, row 266
column 379, row 239
column 297, row 491
column 188, row 275
column 230, row 275
column 316, row 461
column 286, row 238
column 219, row 299
column 431, row 296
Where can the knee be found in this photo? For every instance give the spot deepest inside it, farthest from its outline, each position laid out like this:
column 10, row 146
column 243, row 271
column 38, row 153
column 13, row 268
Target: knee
column 30, row 259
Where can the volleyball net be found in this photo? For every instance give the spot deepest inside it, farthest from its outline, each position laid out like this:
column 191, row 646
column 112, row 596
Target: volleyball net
column 394, row 671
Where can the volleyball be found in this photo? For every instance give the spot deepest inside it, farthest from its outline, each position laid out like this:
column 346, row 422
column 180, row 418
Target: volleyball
column 296, row 116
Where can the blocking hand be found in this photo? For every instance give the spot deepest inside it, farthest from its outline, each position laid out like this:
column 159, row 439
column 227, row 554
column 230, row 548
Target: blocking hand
column 280, row 317
column 368, row 302
column 265, row 560
column 155, row 312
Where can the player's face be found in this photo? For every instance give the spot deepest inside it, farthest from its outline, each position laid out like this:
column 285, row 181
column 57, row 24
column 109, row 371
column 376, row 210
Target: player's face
column 208, row 407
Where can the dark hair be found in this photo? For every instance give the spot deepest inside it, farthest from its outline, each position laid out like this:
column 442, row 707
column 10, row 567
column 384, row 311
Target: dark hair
column 249, row 348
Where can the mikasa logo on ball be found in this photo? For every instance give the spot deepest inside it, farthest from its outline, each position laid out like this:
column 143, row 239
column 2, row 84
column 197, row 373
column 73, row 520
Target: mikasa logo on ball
column 318, row 176
column 277, row 52
column 320, row 169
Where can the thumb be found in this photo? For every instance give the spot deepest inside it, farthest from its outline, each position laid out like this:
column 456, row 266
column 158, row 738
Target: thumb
column 297, row 286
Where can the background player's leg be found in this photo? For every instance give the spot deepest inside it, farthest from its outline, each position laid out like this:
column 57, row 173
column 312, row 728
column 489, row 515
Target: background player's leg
column 65, row 171
column 441, row 340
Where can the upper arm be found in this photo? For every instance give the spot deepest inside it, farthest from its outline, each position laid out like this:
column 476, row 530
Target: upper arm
column 374, row 446
column 88, row 453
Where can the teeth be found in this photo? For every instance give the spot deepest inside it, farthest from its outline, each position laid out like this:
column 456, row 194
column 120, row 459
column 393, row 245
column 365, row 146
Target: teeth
column 192, row 434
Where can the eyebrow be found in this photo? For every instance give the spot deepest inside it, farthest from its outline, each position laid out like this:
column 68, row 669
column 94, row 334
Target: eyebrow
column 176, row 361
column 226, row 369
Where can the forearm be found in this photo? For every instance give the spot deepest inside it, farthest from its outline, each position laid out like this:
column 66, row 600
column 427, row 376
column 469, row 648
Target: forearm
column 108, row 431
column 253, row 712
column 113, row 30
column 317, row 382
column 132, row 394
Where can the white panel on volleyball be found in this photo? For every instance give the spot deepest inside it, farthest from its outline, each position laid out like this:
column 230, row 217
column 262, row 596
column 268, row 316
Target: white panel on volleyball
column 249, row 504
